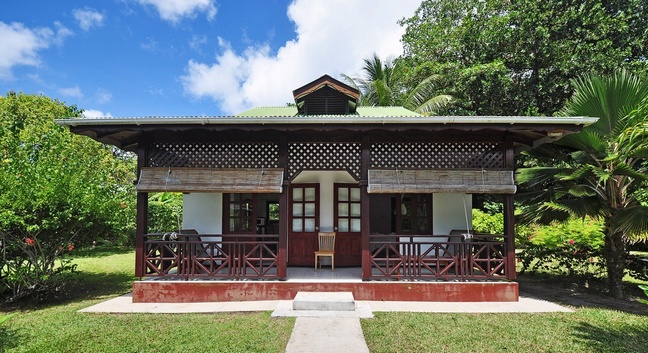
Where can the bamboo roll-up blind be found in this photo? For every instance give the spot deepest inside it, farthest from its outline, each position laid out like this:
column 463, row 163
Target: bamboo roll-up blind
column 441, row 180
column 250, row 180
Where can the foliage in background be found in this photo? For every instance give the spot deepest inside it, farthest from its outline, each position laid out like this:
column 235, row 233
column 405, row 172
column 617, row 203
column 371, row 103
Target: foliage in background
column 492, row 222
column 598, row 172
column 571, row 259
column 517, row 57
column 165, row 212
column 638, row 267
column 581, row 231
column 57, row 191
column 382, row 83
column 483, row 222
column 645, row 290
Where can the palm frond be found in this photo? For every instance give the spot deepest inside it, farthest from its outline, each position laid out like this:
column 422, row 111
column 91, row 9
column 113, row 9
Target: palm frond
column 582, row 206
column 581, row 172
column 631, row 221
column 588, row 141
column 609, row 98
column 536, row 175
column 581, row 190
column 624, row 169
column 433, row 105
column 550, row 151
column 541, row 213
column 582, row 157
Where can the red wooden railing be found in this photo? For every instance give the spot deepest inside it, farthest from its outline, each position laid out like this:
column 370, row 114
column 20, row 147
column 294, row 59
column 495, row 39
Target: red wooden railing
column 238, row 256
column 421, row 257
column 393, row 257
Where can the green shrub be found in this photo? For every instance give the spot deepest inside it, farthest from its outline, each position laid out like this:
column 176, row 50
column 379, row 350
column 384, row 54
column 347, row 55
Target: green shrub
column 483, row 222
column 582, row 231
column 164, row 212
column 493, row 223
column 570, row 259
column 572, row 248
column 34, row 266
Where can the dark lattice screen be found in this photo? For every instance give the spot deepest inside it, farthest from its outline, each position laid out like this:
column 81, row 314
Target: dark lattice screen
column 436, row 155
column 214, row 155
column 324, row 156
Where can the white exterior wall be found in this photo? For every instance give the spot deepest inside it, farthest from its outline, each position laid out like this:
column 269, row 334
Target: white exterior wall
column 448, row 212
column 203, row 212
column 325, row 179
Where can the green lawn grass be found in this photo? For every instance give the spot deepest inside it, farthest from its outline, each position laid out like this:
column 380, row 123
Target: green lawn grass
column 586, row 330
column 106, row 273
column 103, row 274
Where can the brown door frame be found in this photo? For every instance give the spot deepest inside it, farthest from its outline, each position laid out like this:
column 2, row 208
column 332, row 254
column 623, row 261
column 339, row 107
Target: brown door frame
column 348, row 245
column 306, row 241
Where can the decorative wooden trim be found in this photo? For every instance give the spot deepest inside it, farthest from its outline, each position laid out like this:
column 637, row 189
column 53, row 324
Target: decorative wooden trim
column 237, row 180
column 441, row 180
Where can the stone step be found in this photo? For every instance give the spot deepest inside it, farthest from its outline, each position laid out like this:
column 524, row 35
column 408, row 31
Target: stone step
column 324, row 301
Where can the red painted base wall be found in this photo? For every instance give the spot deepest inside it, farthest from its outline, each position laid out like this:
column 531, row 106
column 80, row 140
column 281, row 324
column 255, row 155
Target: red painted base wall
column 209, row 291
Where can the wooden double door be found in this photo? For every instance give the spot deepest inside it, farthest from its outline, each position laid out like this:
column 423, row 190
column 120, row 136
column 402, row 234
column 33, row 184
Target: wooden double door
column 304, row 224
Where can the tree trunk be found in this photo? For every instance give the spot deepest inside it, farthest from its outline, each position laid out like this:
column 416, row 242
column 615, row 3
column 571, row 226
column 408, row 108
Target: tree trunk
column 615, row 256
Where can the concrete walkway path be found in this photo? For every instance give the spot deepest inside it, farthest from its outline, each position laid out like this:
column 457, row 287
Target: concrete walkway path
column 325, row 330
column 327, row 334
column 124, row 304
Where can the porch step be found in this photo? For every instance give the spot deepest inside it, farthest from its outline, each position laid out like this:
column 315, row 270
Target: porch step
column 324, row 301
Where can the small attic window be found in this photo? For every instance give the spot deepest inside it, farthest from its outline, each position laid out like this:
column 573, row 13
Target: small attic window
column 326, row 96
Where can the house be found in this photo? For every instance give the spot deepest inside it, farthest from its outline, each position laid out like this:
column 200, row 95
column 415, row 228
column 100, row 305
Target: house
column 395, row 187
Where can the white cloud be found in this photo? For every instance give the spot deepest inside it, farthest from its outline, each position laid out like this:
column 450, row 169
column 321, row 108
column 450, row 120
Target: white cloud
column 327, row 41
column 61, row 33
column 20, row 45
column 88, row 18
column 74, row 92
column 197, row 42
column 174, row 10
column 103, row 96
column 150, row 44
column 92, row 113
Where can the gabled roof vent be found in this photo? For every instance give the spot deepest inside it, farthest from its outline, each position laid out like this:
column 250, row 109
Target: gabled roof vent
column 326, row 96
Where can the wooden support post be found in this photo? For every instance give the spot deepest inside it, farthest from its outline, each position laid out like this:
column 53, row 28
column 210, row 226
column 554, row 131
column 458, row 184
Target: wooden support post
column 282, row 259
column 142, row 228
column 142, row 216
column 365, row 162
column 509, row 235
column 509, row 212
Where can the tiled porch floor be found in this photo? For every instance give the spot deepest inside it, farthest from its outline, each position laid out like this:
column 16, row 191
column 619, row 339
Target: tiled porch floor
column 308, row 274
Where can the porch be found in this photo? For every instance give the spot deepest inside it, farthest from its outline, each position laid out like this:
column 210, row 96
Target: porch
column 209, row 267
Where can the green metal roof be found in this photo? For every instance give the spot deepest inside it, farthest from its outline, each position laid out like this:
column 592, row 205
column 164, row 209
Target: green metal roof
column 269, row 111
column 262, row 112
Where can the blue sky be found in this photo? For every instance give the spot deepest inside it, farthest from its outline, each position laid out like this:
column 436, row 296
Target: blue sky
column 188, row 57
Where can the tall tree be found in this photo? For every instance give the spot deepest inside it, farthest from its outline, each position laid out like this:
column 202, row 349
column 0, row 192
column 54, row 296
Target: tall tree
column 599, row 171
column 57, row 191
column 382, row 84
column 516, row 57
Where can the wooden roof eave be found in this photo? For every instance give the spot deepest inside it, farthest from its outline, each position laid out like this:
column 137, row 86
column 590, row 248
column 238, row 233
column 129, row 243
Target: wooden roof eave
column 125, row 136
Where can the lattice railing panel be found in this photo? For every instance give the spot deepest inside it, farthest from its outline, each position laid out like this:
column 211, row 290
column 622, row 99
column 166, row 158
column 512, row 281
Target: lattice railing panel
column 432, row 155
column 214, row 155
column 324, row 156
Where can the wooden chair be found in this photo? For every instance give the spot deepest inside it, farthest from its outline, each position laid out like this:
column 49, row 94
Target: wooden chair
column 326, row 248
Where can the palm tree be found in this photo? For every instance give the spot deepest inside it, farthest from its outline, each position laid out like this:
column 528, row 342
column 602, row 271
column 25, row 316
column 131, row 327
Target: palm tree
column 383, row 84
column 599, row 171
